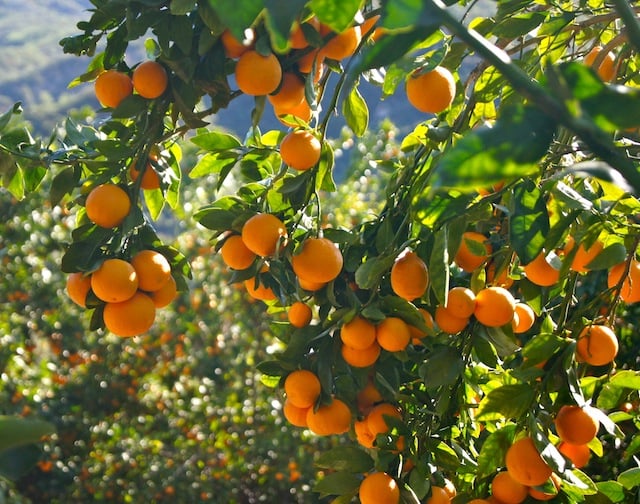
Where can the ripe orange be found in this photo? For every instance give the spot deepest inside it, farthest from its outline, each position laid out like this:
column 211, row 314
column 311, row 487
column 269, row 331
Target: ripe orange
column 523, row 319
column 358, row 333
column 461, row 302
column 310, row 286
column 343, row 44
column 165, row 294
column 294, row 415
column 111, row 87
column 376, row 420
column 233, row 47
column 333, row 418
column 262, row 233
column 495, row 306
column 578, row 454
column 393, row 334
column 319, row 260
column 508, row 490
column 258, row 75
column 465, row 258
column 417, row 334
column 258, row 290
column 363, row 434
column 361, row 358
column 368, row 397
column 438, row 496
column 576, row 425
column 449, row 323
column 131, row 317
column 607, row 69
column 546, row 496
column 150, row 179
column 597, row 345
column 379, row 488
column 584, row 256
column 297, row 38
column 409, row 276
column 107, row 205
column 78, row 286
column 300, row 150
column 290, row 93
column 630, row 288
column 502, row 279
column 150, row 79
column 541, row 272
column 114, row 281
column 479, row 501
column 524, row 463
column 302, row 388
column 431, row 92
column 152, row 268
column 235, row 253
column 299, row 314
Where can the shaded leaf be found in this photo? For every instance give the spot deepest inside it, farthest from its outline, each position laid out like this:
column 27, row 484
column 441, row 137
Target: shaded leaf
column 16, row 431
column 507, row 401
column 355, row 111
column 338, row 483
column 529, row 222
column 494, row 449
column 346, row 458
column 443, row 366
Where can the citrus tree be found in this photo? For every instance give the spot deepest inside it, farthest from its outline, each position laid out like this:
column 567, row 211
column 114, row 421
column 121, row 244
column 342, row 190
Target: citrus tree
column 464, row 333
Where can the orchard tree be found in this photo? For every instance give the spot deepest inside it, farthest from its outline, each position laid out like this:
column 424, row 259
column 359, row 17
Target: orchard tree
column 464, row 334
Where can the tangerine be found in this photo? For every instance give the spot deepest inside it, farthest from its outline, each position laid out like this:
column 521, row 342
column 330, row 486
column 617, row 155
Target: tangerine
column 461, row 302
column 111, row 87
column 107, row 205
column 449, row 323
column 524, row 463
column 150, row 79
column 262, row 233
column 235, row 253
column 578, row 454
column 152, row 268
column 165, row 294
column 359, row 333
column 300, row 150
column 114, row 281
column 465, row 257
column 393, row 334
column 342, row 45
column 495, row 306
column 431, row 92
column 299, row 314
column 361, row 357
column 508, row 490
column 333, row 418
column 541, row 272
column 258, row 75
column 379, row 488
column 607, row 68
column 319, row 260
column 409, row 276
column 597, row 345
column 78, row 286
column 131, row 317
column 294, row 415
column 576, row 425
column 302, row 388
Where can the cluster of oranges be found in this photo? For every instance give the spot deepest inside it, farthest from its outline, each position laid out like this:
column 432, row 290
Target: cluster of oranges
column 149, row 80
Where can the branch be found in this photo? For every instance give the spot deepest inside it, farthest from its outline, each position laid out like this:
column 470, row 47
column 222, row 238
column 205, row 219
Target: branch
column 628, row 15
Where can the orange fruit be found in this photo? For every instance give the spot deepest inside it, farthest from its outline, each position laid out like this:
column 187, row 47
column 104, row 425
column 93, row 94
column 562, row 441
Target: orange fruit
column 379, row 488
column 131, row 317
column 258, row 290
column 508, row 490
column 369, row 24
column 152, row 268
column 258, row 75
column 461, row 302
column 502, row 279
column 310, row 286
column 301, row 112
column 300, row 150
column 541, row 272
column 630, row 288
column 449, row 323
column 576, row 425
column 289, row 94
column 368, row 397
column 294, row 415
column 333, row 418
column 297, row 38
column 495, row 306
column 431, row 92
column 299, row 314
column 114, row 281
column 584, row 256
column 107, row 205
column 165, row 294
column 479, row 501
column 607, row 69
column 111, row 87
column 150, row 79
column 363, row 434
column 417, row 334
column 578, row 454
column 545, row 496
column 150, row 179
column 597, row 345
column 523, row 319
column 78, row 286
column 235, row 253
column 376, row 420
column 312, row 61
column 319, row 260
column 342, row 45
column 465, row 258
column 409, row 276
column 438, row 496
column 302, row 388
column 358, row 333
column 262, row 233
column 361, row 357
column 524, row 463
column 393, row 334
column 233, row 47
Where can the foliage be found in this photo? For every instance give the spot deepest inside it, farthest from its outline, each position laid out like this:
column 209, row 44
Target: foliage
column 535, row 151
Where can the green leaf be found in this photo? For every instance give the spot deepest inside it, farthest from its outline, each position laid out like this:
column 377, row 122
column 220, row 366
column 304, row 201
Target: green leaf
column 507, row 151
column 399, row 14
column 63, row 183
column 503, row 340
column 443, row 366
column 280, row 18
column 338, row 483
column 369, row 273
column 626, row 378
column 346, row 458
column 529, row 222
column 610, row 256
column 542, row 347
column 355, row 111
column 6, row 117
column 507, row 401
column 210, row 164
column 324, row 177
column 214, row 141
column 17, row 431
column 182, row 7
column 237, row 15
column 16, row 461
column 439, row 273
column 337, row 14
column 518, row 25
column 611, row 490
column 494, row 449
column 630, row 478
